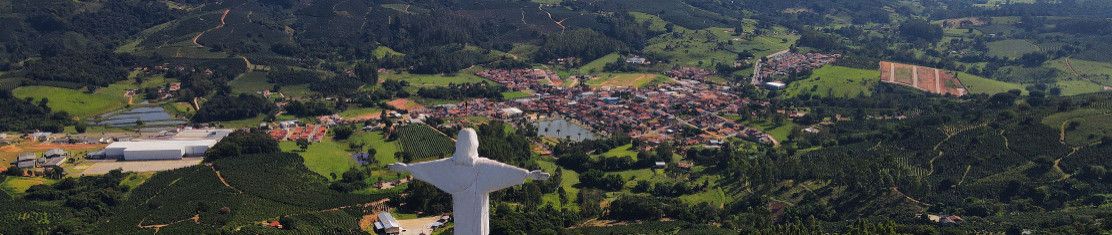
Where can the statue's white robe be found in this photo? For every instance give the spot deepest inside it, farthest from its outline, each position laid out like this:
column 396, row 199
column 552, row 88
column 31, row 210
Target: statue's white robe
column 470, row 187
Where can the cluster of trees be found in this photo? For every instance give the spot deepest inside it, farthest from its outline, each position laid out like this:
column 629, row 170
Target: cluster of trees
column 83, row 69
column 919, row 29
column 23, row 115
column 227, row 108
column 91, row 195
column 463, row 91
column 243, row 142
column 584, row 44
column 310, row 108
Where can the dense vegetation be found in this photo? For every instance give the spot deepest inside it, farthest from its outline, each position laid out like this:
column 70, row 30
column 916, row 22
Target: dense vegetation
column 227, row 108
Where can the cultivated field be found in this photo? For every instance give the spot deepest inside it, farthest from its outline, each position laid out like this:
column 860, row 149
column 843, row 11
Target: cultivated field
column 928, row 79
column 1010, row 48
column 424, row 142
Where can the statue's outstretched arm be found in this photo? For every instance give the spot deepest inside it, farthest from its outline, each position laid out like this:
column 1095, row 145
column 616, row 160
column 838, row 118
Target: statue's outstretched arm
column 398, row 167
column 496, row 175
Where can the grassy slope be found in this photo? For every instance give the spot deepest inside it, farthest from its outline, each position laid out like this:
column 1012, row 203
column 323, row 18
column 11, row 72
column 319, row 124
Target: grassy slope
column 596, row 66
column 325, row 158
column 837, row 81
column 1093, row 124
column 73, row 101
column 250, row 83
column 980, row 85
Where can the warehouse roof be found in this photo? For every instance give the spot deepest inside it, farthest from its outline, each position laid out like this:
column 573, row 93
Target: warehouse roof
column 161, row 144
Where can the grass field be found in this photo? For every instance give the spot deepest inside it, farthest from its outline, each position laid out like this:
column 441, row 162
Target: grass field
column 325, row 158
column 597, row 65
column 567, row 181
column 17, row 185
column 250, row 83
column 1099, row 72
column 980, row 85
column 1011, row 48
column 516, row 94
column 1092, row 124
column 384, row 150
column 1077, row 87
column 75, row 102
column 836, row 81
column 620, row 151
column 383, row 51
column 464, row 76
column 361, row 112
column 624, row 79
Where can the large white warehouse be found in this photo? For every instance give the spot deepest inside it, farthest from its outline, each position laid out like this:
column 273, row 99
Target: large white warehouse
column 158, row 149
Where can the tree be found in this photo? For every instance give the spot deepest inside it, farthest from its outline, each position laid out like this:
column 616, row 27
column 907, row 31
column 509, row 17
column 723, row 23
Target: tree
column 303, row 144
column 918, row 29
column 343, row 132
column 288, row 223
column 367, row 73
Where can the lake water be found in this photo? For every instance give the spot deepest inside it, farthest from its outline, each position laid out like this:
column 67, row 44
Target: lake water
column 560, row 128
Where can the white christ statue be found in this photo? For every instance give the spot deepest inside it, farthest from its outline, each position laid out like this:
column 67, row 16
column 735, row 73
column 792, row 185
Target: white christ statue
column 470, row 179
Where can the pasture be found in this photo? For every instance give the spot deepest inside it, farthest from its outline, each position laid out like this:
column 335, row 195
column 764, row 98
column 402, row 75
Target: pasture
column 326, row 158
column 980, row 85
column 420, row 80
column 516, row 94
column 384, row 149
column 597, row 65
column 1083, row 126
column 75, row 102
column 1077, row 87
column 1011, row 48
column 250, row 83
column 836, row 81
column 1099, row 72
column 17, row 185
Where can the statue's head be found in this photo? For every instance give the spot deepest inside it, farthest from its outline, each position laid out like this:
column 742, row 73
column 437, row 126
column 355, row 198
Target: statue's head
column 467, row 147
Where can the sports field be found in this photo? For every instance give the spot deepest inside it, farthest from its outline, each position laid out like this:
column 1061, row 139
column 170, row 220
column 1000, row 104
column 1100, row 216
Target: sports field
column 924, row 78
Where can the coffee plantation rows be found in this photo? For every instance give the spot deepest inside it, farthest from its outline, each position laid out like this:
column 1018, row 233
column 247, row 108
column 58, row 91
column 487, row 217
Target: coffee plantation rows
column 424, row 142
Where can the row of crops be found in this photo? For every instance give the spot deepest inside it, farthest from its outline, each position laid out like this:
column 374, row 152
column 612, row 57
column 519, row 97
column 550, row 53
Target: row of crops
column 424, row 142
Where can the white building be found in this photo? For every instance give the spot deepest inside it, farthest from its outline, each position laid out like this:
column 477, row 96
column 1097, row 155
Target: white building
column 158, row 149
column 388, row 224
column 511, row 112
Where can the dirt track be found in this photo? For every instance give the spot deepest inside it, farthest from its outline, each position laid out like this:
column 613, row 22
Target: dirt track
column 214, row 28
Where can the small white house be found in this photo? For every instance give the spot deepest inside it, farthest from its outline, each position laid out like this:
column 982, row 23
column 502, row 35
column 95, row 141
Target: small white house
column 388, row 224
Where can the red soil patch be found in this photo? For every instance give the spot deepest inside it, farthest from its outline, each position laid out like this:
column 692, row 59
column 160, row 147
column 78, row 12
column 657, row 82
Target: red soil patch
column 924, row 78
column 405, row 104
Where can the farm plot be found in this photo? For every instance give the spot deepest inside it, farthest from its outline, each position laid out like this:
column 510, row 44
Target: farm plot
column 424, row 142
column 924, row 78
